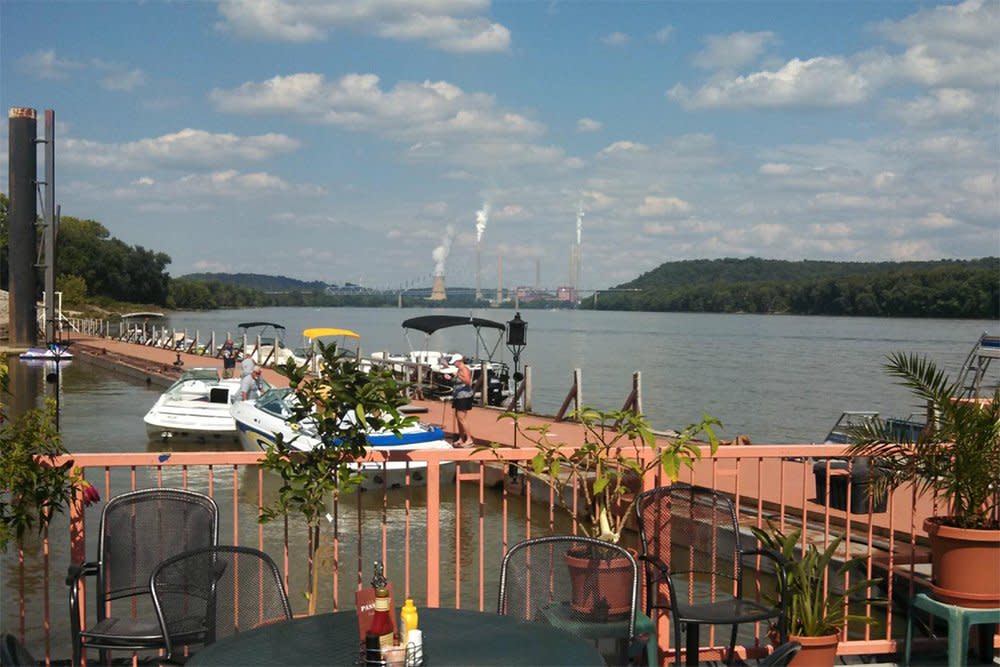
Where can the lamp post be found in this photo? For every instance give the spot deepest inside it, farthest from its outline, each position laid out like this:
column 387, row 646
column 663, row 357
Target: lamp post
column 517, row 330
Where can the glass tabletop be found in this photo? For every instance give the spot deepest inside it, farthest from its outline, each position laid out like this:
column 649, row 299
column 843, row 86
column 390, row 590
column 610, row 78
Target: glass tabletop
column 451, row 637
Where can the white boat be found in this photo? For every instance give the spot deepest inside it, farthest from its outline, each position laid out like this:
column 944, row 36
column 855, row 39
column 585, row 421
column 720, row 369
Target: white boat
column 265, row 343
column 52, row 352
column 437, row 374
column 259, row 421
column 196, row 406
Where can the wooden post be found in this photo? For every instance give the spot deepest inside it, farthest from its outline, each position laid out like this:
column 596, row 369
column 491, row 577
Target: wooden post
column 575, row 395
column 484, row 383
column 526, row 383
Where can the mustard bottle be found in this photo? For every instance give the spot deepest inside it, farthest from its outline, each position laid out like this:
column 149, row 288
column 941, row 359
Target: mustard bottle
column 408, row 616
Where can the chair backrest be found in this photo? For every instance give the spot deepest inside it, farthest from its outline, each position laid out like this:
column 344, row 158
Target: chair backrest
column 208, row 594
column 560, row 580
column 694, row 532
column 782, row 655
column 141, row 528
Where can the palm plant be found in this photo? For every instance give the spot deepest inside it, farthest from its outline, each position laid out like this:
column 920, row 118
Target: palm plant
column 956, row 455
column 813, row 611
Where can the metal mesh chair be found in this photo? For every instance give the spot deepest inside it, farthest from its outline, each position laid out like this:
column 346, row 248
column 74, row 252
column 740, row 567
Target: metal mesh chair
column 138, row 530
column 782, row 656
column 694, row 561
column 558, row 580
column 209, row 594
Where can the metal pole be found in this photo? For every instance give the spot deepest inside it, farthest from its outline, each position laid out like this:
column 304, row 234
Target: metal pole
column 50, row 228
column 22, row 235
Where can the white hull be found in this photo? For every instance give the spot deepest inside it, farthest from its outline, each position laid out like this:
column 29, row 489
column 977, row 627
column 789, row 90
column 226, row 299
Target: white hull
column 257, row 428
column 196, row 407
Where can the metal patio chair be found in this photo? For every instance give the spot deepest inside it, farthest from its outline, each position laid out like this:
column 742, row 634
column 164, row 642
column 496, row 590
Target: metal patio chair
column 781, row 655
column 694, row 560
column 138, row 530
column 536, row 585
column 208, row 594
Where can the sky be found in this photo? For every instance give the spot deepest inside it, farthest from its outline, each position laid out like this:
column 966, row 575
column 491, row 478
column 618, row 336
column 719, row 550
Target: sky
column 382, row 141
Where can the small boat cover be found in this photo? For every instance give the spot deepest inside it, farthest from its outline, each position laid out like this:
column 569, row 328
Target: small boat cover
column 320, row 332
column 431, row 323
column 254, row 325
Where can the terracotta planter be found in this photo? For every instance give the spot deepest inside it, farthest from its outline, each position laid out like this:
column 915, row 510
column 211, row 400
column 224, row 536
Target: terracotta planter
column 965, row 565
column 816, row 651
column 600, row 588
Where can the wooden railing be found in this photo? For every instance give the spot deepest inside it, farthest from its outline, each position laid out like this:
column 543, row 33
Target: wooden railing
column 442, row 543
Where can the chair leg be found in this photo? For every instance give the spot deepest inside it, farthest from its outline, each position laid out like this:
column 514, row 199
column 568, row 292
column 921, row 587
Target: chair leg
column 732, row 646
column 909, row 636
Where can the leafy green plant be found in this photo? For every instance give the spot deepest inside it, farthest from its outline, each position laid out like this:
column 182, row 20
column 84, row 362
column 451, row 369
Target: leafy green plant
column 814, row 608
column 33, row 487
column 339, row 405
column 957, row 454
column 607, row 464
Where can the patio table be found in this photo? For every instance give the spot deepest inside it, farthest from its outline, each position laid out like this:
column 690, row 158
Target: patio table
column 451, row 637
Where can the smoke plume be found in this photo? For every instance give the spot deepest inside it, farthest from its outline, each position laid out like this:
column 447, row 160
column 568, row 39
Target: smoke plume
column 440, row 253
column 482, row 217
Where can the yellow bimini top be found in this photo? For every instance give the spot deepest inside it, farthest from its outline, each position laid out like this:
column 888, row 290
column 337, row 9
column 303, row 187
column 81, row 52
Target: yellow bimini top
column 320, row 332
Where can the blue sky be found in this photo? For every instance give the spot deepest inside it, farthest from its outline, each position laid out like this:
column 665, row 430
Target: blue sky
column 379, row 141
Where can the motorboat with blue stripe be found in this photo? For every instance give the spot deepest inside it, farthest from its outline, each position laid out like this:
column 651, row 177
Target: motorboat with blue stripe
column 259, row 421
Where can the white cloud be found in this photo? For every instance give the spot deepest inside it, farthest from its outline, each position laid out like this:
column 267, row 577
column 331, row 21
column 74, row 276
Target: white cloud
column 817, row 82
column 45, row 64
column 732, row 51
column 450, row 25
column 775, row 169
column 985, row 185
column 588, row 125
column 615, row 39
column 662, row 206
column 125, row 80
column 410, row 110
column 943, row 104
column 664, row 34
column 186, row 148
column 624, row 147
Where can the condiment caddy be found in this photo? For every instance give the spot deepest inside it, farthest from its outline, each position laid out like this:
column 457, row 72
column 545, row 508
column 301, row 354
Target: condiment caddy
column 384, row 645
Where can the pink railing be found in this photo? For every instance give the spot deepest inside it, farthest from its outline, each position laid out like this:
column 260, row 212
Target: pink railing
column 442, row 544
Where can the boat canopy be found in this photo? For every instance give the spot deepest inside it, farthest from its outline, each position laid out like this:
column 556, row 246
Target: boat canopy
column 142, row 313
column 254, row 325
column 431, row 323
column 319, row 332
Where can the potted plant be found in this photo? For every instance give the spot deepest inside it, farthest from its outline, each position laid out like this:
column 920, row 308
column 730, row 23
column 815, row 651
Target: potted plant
column 816, row 612
column 956, row 457
column 618, row 448
column 340, row 404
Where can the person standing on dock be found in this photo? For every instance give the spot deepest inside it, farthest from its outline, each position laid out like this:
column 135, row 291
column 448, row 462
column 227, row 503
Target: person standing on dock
column 228, row 353
column 462, row 399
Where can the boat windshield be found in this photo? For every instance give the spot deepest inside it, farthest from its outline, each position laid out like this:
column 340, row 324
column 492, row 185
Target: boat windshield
column 277, row 402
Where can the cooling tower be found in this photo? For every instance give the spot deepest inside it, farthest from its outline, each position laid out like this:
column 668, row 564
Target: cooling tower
column 437, row 292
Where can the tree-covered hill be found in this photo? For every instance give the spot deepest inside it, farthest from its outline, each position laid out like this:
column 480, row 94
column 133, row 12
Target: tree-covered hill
column 756, row 270
column 945, row 288
column 257, row 281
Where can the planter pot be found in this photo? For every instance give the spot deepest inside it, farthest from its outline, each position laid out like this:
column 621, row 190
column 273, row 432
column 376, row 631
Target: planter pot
column 816, row 651
column 601, row 588
column 965, row 565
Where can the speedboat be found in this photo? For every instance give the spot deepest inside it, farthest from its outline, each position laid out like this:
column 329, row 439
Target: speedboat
column 265, row 343
column 259, row 421
column 437, row 373
column 52, row 352
column 196, row 406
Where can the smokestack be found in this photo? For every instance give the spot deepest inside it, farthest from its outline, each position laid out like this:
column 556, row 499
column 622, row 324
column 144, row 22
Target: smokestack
column 538, row 275
column 479, row 270
column 23, row 210
column 499, row 279
column 437, row 291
